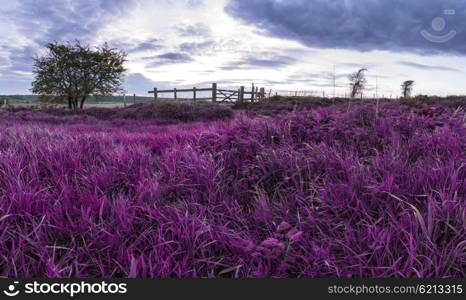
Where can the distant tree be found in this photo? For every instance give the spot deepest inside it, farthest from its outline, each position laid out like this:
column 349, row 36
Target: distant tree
column 357, row 82
column 75, row 71
column 407, row 88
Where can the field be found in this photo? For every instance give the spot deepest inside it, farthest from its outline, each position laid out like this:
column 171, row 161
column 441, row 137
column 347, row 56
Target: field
column 287, row 188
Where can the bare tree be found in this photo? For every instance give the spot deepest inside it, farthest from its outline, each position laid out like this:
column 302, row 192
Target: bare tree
column 75, row 72
column 407, row 88
column 357, row 82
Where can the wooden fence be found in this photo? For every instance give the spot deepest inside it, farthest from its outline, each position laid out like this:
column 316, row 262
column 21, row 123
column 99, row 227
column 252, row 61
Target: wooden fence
column 216, row 94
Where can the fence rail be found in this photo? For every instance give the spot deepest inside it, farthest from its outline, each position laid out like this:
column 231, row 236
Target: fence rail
column 217, row 95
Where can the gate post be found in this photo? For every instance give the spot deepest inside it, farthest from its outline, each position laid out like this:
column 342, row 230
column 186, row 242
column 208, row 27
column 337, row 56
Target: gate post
column 241, row 94
column 214, row 92
column 156, row 94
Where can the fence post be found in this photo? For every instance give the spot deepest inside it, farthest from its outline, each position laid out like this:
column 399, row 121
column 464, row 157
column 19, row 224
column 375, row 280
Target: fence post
column 124, row 100
column 241, row 94
column 134, row 98
column 194, row 94
column 214, row 92
column 156, row 94
column 262, row 93
column 252, row 93
column 174, row 92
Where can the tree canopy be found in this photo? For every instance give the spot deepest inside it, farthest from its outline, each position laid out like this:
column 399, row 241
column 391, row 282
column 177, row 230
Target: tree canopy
column 75, row 72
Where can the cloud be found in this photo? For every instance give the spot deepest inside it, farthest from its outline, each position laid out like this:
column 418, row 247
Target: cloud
column 260, row 61
column 427, row 67
column 196, row 30
column 273, row 62
column 197, row 48
column 4, row 61
column 139, row 84
column 44, row 21
column 149, row 45
column 362, row 25
column 168, row 58
column 22, row 58
column 195, row 3
column 14, row 85
column 137, row 46
column 174, row 57
column 357, row 66
column 318, row 79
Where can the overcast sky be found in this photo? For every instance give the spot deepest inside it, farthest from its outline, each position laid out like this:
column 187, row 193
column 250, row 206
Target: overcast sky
column 278, row 44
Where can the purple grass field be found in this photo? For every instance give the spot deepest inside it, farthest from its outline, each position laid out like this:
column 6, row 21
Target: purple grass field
column 359, row 190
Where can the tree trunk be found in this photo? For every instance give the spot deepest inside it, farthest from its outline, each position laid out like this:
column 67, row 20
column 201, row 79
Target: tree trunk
column 82, row 102
column 70, row 105
column 74, row 103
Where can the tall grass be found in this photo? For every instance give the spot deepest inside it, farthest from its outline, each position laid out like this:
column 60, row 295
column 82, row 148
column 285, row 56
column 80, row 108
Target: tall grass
column 318, row 193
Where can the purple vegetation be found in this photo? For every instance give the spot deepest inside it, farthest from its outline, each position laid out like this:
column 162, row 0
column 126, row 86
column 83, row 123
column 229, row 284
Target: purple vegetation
column 341, row 191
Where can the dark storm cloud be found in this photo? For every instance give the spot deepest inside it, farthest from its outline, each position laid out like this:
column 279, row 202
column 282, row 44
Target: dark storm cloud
column 427, row 67
column 363, row 25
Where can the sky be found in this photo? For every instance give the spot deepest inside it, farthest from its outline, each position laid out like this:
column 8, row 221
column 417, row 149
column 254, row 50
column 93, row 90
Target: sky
column 305, row 45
